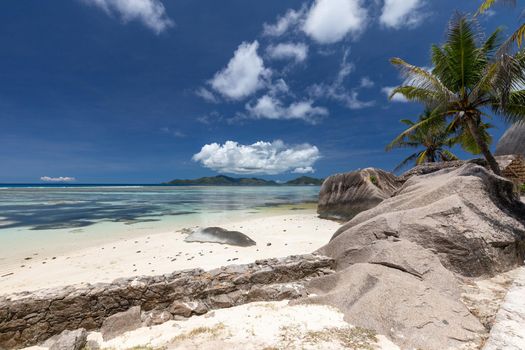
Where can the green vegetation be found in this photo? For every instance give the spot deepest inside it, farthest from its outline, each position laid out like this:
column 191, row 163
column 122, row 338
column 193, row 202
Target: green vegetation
column 522, row 188
column 305, row 180
column 470, row 77
column 519, row 34
column 432, row 138
column 222, row 180
column 373, row 179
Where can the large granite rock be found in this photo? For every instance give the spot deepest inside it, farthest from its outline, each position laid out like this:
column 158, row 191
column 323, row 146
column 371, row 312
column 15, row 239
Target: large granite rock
column 31, row 317
column 513, row 141
column 401, row 290
column 397, row 262
column 469, row 217
column 343, row 196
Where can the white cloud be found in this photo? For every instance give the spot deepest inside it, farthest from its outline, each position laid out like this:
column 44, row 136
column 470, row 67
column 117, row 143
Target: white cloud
column 329, row 21
column 366, row 82
column 244, row 74
column 402, row 13
column 304, row 170
column 150, row 12
column 297, row 52
column 206, row 95
column 173, row 132
column 337, row 90
column 270, row 107
column 387, row 90
column 259, row 158
column 284, row 23
column 57, row 179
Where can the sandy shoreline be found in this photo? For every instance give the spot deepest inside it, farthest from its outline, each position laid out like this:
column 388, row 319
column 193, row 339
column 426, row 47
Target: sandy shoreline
column 277, row 235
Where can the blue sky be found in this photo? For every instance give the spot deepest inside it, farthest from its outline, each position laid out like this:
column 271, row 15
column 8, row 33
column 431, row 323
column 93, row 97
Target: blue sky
column 149, row 90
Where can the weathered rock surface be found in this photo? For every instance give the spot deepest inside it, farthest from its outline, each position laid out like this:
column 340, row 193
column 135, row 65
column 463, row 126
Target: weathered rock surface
column 400, row 289
column 220, row 235
column 121, row 322
column 428, row 168
column 343, row 196
column 155, row 317
column 469, row 217
column 508, row 331
column 513, row 141
column 28, row 318
column 69, row 340
column 396, row 262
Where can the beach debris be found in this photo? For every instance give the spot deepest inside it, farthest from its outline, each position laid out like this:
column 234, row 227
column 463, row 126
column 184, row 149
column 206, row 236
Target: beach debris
column 221, row 236
column 268, row 244
column 8, row 274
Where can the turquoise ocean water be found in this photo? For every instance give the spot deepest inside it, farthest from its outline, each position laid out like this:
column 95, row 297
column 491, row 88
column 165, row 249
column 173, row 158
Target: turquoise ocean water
column 34, row 216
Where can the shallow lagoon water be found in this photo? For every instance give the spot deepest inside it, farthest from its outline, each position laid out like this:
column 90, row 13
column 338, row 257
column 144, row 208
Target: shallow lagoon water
column 36, row 219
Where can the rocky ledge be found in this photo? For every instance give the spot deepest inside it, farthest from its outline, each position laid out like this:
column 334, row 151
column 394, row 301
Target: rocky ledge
column 32, row 317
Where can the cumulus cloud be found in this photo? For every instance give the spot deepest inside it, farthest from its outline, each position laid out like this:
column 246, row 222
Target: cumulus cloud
column 297, row 52
column 304, row 170
column 150, row 12
column 244, row 74
column 402, row 13
column 270, row 107
column 57, row 179
column 329, row 21
column 269, row 158
column 284, row 23
column 387, row 90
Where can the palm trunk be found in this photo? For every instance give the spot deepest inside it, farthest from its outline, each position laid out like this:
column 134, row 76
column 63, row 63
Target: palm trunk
column 474, row 130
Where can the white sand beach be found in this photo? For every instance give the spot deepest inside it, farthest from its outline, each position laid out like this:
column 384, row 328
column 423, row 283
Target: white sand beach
column 277, row 235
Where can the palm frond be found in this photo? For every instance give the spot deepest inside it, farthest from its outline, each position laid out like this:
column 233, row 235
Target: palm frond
column 421, row 79
column 406, row 161
column 434, row 118
column 487, row 4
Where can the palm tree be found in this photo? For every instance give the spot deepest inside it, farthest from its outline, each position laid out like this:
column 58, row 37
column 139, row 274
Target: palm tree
column 432, row 138
column 519, row 34
column 469, row 78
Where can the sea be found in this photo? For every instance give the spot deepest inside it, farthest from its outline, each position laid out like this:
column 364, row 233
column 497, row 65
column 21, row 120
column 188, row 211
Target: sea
column 62, row 216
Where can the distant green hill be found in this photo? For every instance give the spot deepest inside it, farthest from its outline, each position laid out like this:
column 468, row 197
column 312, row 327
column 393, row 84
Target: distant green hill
column 305, row 180
column 222, row 180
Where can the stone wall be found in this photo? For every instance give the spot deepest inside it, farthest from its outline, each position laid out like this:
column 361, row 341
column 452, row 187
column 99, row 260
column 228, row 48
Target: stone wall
column 31, row 317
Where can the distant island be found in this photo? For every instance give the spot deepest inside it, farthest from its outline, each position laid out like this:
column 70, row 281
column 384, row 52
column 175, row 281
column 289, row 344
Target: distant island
column 222, row 180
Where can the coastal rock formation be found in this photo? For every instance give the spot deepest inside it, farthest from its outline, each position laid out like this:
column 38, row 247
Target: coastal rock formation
column 343, row 196
column 31, row 317
column 400, row 289
column 122, row 322
column 69, row 340
column 513, row 141
column 469, row 217
column 395, row 263
column 220, row 235
column 428, row 168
